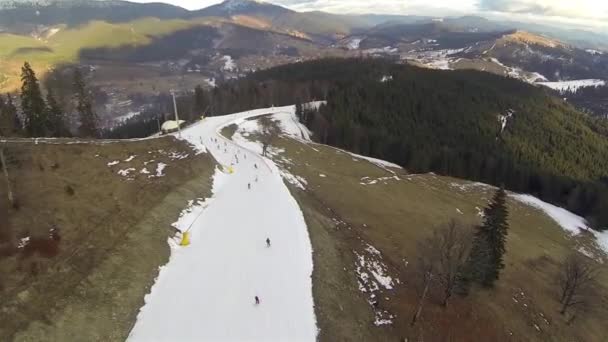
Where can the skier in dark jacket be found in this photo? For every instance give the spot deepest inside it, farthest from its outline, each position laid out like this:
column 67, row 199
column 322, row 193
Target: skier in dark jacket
column 267, row 242
column 257, row 300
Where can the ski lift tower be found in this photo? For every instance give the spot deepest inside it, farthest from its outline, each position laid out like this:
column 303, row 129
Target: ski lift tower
column 179, row 129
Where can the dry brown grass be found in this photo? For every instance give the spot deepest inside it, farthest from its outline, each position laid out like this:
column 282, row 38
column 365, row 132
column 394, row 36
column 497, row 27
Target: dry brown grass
column 111, row 235
column 530, row 38
column 393, row 215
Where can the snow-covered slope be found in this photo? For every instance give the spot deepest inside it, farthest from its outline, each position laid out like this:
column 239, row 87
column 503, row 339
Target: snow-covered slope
column 206, row 291
column 570, row 222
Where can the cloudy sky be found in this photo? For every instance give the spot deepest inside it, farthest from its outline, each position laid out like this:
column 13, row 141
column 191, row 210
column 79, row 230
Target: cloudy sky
column 584, row 13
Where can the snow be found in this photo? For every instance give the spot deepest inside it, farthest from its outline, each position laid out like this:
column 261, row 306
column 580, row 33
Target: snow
column 127, row 116
column 291, row 126
column 504, row 119
column 369, row 261
column 378, row 162
column 112, row 163
column 567, row 220
column 386, row 78
column 160, row 167
column 594, row 52
column 130, row 158
column 572, row 86
column 23, row 242
column 229, row 64
column 354, row 43
column 211, row 82
column 206, row 291
column 125, row 172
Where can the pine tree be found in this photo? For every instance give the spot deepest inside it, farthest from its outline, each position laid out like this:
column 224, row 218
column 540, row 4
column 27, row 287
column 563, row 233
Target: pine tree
column 84, row 107
column 56, row 120
column 486, row 259
column 200, row 102
column 32, row 104
column 299, row 111
column 10, row 112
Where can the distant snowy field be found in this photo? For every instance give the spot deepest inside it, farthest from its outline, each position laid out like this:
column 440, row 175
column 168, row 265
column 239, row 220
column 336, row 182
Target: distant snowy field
column 573, row 86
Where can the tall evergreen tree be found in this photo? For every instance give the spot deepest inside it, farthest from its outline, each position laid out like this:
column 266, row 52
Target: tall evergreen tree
column 486, row 259
column 200, row 101
column 10, row 112
column 32, row 104
column 56, row 119
column 88, row 119
column 299, row 110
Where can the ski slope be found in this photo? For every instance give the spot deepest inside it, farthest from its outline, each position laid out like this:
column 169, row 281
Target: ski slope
column 206, row 291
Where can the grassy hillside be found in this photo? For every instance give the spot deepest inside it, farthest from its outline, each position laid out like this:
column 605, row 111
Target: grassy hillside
column 350, row 204
column 67, row 43
column 85, row 244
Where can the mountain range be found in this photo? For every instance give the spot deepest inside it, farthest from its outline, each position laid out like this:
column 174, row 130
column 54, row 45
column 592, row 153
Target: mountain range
column 161, row 43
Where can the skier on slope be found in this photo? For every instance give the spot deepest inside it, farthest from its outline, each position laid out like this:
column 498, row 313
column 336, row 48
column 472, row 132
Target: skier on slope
column 255, row 165
column 267, row 242
column 257, row 300
column 249, row 186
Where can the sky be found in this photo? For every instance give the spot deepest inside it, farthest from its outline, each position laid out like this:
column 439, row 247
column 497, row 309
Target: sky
column 581, row 13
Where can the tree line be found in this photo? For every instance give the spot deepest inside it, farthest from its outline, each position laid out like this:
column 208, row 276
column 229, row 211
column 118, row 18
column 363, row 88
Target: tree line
column 38, row 115
column 456, row 259
column 427, row 120
column 447, row 122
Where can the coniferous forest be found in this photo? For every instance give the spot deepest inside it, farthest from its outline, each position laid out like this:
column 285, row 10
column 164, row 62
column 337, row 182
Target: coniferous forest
column 466, row 124
column 448, row 122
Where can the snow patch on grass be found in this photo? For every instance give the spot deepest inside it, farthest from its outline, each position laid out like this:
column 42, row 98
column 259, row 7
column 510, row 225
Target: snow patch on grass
column 378, row 162
column 125, row 172
column 570, row 222
column 178, row 155
column 373, row 279
column 112, row 163
column 567, row 220
column 23, row 242
column 160, row 168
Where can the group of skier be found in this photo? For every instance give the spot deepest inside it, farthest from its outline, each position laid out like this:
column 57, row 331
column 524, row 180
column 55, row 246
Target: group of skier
column 255, row 165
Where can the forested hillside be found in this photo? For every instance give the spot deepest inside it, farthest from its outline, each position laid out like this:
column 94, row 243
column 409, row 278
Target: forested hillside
column 466, row 124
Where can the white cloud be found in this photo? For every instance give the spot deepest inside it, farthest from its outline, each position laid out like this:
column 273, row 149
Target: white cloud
column 188, row 4
column 591, row 9
column 419, row 7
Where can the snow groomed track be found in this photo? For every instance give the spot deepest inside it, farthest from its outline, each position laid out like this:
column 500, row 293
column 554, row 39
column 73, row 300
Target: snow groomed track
column 206, row 291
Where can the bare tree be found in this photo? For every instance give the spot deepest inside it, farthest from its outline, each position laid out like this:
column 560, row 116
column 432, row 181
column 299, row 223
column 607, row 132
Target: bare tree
column 453, row 243
column 442, row 257
column 427, row 271
column 576, row 275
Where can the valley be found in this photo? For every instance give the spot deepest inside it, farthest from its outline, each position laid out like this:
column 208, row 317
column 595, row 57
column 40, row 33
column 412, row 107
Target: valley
column 303, row 171
column 155, row 48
